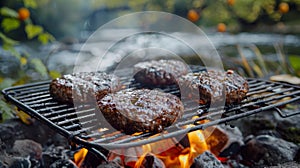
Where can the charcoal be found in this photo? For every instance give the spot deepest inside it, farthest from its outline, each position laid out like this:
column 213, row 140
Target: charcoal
column 90, row 160
column 2, row 165
column 63, row 163
column 286, row 165
column 20, row 162
column 14, row 129
column 109, row 165
column 53, row 153
column 10, row 131
column 268, row 150
column 297, row 157
column 256, row 124
column 150, row 161
column 234, row 143
column 229, row 140
column 205, row 160
column 289, row 128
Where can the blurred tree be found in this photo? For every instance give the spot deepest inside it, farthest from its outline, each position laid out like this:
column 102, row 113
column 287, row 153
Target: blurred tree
column 236, row 14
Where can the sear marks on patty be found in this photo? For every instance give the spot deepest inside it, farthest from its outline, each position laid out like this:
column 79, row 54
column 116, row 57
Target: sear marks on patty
column 141, row 110
column 159, row 72
column 214, row 85
column 83, row 87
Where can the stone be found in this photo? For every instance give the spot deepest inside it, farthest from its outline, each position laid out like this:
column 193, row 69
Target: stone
column 26, row 147
column 206, row 160
column 268, row 150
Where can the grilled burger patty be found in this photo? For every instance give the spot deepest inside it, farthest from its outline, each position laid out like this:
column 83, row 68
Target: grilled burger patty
column 140, row 110
column 215, row 85
column 83, row 86
column 159, row 72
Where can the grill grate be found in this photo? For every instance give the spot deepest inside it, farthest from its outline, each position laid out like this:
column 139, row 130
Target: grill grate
column 80, row 124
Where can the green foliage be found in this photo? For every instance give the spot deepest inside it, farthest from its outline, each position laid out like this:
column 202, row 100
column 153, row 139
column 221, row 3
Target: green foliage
column 45, row 38
column 54, row 74
column 10, row 21
column 33, row 30
column 39, row 66
column 7, row 40
column 5, row 11
column 295, row 63
column 9, row 24
column 6, row 82
column 30, row 3
column 6, row 110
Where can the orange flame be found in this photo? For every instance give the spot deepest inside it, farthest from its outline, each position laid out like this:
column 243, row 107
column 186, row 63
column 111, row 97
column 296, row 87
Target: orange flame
column 176, row 157
column 79, row 156
column 168, row 151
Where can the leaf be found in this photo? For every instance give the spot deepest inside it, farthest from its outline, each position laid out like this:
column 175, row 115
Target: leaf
column 8, row 40
column 33, row 30
column 7, row 112
column 9, row 24
column 7, row 82
column 245, row 61
column 23, row 61
column 30, row 3
column 25, row 118
column 44, row 38
column 22, row 80
column 54, row 74
column 295, row 61
column 5, row 11
column 39, row 66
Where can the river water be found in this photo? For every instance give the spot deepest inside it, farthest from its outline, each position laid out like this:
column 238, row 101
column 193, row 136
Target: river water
column 110, row 49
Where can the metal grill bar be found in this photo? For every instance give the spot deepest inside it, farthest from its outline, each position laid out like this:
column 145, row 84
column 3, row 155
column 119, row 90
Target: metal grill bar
column 79, row 124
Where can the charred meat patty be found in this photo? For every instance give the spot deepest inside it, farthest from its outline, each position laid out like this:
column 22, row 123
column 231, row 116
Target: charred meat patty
column 141, row 110
column 215, row 86
column 83, row 87
column 159, row 72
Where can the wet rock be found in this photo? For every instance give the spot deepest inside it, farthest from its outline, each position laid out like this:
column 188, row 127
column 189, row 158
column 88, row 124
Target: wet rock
column 205, row 160
column 268, row 150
